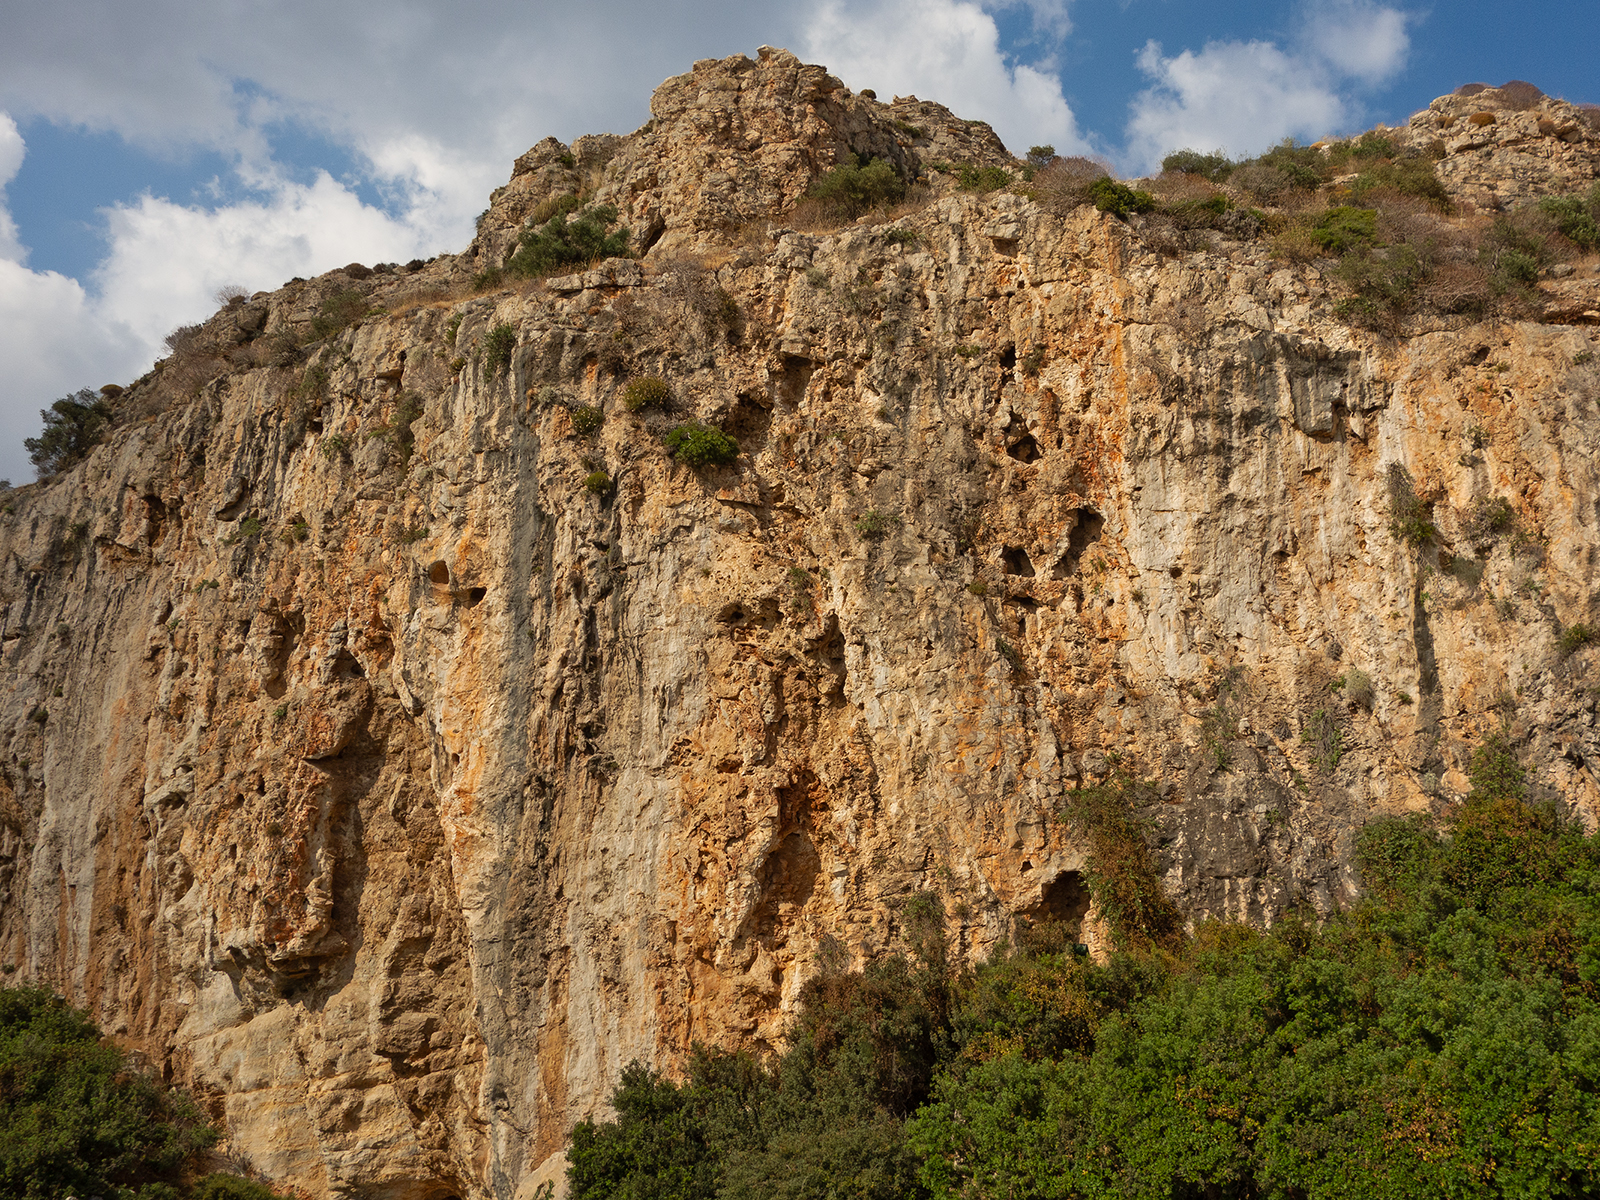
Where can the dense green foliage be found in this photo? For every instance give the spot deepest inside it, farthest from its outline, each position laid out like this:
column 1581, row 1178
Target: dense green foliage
column 560, row 242
column 72, row 426
column 701, row 445
column 1442, row 1038
column 498, row 347
column 76, row 1118
column 1118, row 199
column 856, row 188
column 1577, row 218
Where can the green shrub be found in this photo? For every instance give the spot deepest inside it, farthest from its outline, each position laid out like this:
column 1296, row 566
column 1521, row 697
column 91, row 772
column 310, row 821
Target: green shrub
column 1382, row 284
column 1121, row 872
column 646, row 392
column 498, row 347
column 1302, row 166
column 1118, row 199
column 1577, row 218
column 76, row 1117
column 1040, row 156
column 561, row 242
column 973, row 178
column 700, row 445
column 1215, row 166
column 1574, row 638
column 1357, row 687
column 1343, row 228
column 587, row 419
column 1488, row 518
column 1409, row 177
column 1512, row 253
column 452, row 327
column 597, row 482
column 1410, row 520
column 874, row 524
column 73, row 426
column 853, row 189
column 221, row 1186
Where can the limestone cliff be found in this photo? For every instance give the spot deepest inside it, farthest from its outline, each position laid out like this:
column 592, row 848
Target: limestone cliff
column 393, row 786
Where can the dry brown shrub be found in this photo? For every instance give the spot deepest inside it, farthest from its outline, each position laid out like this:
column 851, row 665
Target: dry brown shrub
column 1265, row 184
column 1519, row 95
column 1064, row 183
column 1294, row 242
column 1456, row 287
column 1481, row 119
column 1180, row 187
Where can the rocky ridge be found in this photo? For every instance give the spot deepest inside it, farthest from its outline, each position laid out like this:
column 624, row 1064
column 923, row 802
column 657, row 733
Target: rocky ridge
column 393, row 782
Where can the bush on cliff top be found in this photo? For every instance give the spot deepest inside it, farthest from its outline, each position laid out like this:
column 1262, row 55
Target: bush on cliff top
column 72, row 427
column 1440, row 1038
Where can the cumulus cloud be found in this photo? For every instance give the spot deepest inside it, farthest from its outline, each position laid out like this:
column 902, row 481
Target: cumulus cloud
column 1245, row 96
column 945, row 50
column 166, row 262
column 1360, row 39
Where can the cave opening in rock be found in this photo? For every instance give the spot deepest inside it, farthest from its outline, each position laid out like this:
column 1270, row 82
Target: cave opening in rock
column 1065, row 899
column 1017, row 561
column 1025, row 449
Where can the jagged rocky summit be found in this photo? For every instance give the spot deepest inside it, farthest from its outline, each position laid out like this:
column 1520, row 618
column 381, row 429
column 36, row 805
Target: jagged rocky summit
column 400, row 739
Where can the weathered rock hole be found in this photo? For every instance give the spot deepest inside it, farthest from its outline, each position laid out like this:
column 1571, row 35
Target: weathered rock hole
column 475, row 596
column 439, row 575
column 748, row 424
column 1085, row 533
column 1025, row 449
column 1008, row 357
column 1017, row 561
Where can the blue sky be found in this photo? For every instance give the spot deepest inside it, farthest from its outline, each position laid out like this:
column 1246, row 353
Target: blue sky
column 153, row 152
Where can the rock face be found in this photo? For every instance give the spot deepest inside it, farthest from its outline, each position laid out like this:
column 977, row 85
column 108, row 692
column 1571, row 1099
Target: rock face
column 393, row 781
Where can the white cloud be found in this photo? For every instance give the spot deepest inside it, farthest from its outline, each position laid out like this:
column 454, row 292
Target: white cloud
column 11, row 151
column 166, row 262
column 1358, row 38
column 948, row 51
column 1244, row 96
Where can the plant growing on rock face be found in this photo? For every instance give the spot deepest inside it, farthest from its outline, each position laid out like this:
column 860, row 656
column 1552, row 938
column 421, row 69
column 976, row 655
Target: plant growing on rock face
column 337, row 313
column 1409, row 518
column 698, row 445
column 855, row 188
column 1118, row 199
column 498, row 347
column 598, row 483
column 874, row 524
column 648, row 392
column 561, row 242
column 587, row 419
